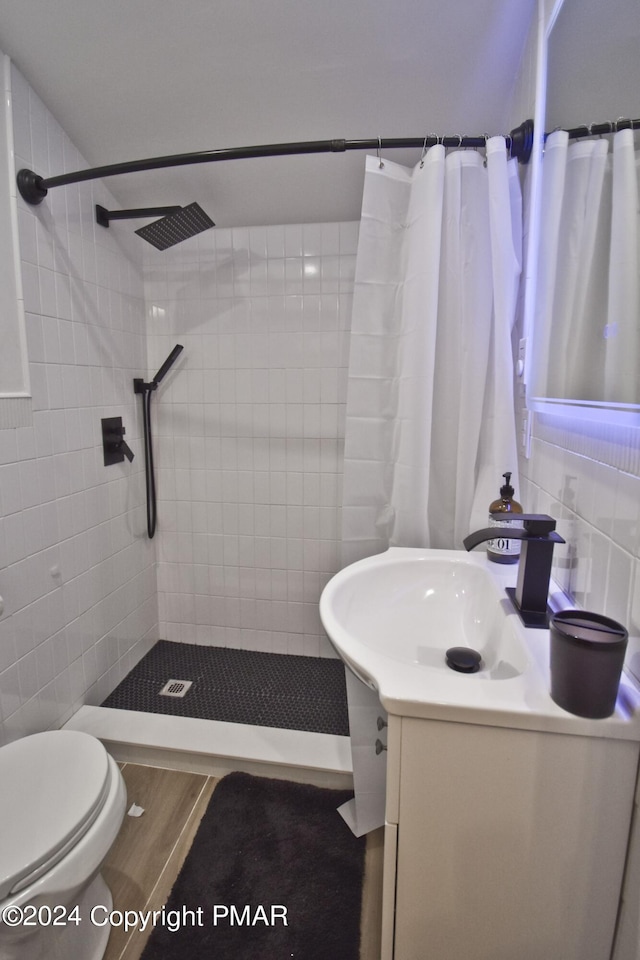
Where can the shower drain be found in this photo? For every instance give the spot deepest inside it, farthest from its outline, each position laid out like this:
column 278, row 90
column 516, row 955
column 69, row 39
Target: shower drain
column 176, row 688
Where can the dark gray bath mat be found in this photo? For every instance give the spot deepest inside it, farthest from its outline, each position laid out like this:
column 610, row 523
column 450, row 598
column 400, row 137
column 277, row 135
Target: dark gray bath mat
column 264, row 843
column 239, row 686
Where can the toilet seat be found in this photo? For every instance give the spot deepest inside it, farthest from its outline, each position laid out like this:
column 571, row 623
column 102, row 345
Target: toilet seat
column 54, row 785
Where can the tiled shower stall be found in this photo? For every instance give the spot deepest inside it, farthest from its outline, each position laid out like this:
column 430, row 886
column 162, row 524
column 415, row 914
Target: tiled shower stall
column 250, row 431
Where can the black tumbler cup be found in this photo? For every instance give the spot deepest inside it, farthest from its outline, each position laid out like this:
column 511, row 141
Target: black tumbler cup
column 587, row 653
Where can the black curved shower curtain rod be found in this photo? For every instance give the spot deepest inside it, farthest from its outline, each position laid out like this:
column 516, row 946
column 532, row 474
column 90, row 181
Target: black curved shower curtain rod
column 600, row 129
column 519, row 142
column 33, row 188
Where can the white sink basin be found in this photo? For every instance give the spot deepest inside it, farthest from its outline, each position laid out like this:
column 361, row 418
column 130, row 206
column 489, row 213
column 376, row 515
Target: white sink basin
column 392, row 617
column 412, row 609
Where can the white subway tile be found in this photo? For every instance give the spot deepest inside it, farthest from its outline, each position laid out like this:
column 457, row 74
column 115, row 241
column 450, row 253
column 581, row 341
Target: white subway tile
column 273, row 391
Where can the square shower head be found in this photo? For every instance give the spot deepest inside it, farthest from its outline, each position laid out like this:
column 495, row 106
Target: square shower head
column 179, row 226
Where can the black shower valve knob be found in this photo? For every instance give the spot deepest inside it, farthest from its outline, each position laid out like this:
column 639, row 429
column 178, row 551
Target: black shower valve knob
column 114, row 446
column 126, row 449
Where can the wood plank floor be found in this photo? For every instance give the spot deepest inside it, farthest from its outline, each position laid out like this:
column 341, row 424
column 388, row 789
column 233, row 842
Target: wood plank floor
column 150, row 849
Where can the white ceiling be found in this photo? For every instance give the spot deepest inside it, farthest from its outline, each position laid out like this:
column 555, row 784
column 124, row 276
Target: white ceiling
column 130, row 79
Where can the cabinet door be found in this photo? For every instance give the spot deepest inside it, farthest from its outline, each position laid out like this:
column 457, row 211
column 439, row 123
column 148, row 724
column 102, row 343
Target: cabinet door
column 511, row 843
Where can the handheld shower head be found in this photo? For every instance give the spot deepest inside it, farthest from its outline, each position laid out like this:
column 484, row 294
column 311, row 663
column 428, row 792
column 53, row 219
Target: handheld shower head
column 164, row 369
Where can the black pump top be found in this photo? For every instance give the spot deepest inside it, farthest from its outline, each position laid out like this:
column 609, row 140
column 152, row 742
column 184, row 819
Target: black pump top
column 507, row 491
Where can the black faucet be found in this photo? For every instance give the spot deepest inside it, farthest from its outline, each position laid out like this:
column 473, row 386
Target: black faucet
column 538, row 535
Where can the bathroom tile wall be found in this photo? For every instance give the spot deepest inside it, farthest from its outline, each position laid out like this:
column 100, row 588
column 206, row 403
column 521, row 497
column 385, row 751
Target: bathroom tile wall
column 76, row 570
column 584, row 473
column 250, row 430
column 587, row 475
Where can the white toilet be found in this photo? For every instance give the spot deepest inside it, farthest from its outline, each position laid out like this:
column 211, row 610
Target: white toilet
column 62, row 801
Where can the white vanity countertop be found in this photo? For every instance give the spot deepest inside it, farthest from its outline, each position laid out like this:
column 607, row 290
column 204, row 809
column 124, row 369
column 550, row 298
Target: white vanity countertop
column 422, row 686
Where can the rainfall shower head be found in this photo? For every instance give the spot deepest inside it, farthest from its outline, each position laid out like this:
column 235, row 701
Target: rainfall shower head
column 187, row 222
column 177, row 223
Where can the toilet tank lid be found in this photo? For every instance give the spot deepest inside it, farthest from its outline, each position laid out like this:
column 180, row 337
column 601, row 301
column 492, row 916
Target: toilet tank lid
column 52, row 787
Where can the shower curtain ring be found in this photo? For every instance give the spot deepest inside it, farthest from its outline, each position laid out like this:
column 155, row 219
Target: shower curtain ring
column 380, row 161
column 460, row 139
column 424, row 150
column 436, row 140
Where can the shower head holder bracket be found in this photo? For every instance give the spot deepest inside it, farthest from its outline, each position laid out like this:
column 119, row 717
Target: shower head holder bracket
column 139, row 385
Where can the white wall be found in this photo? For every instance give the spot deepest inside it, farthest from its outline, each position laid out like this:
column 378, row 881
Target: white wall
column 76, row 571
column 250, row 431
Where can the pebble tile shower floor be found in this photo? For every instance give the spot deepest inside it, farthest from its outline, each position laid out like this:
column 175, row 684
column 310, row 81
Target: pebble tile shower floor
column 239, row 686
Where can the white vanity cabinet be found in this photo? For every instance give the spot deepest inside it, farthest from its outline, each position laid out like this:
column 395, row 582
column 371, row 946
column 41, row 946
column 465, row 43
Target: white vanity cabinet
column 507, row 819
column 503, row 843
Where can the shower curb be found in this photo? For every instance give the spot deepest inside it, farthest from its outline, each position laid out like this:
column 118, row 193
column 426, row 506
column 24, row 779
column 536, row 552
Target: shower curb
column 215, row 748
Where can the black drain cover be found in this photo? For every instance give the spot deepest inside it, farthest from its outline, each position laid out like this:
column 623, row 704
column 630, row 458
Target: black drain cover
column 463, row 659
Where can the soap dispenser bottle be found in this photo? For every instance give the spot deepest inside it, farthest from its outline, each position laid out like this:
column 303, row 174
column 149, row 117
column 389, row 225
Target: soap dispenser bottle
column 502, row 549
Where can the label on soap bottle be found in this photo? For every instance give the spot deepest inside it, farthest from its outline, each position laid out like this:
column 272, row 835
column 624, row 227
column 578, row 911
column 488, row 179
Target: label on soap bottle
column 502, row 548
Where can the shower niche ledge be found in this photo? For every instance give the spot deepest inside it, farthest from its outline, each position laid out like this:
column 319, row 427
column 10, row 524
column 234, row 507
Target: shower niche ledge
column 507, row 820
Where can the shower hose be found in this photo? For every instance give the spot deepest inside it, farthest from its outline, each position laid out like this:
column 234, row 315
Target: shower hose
column 146, row 389
column 148, row 465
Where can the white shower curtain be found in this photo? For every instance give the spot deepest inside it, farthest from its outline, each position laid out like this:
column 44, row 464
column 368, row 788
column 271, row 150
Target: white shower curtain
column 587, row 301
column 430, row 414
